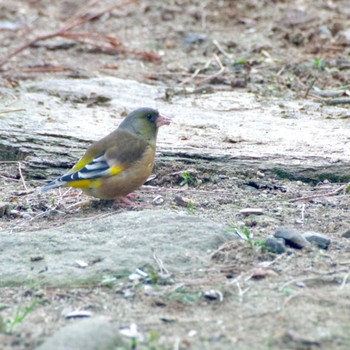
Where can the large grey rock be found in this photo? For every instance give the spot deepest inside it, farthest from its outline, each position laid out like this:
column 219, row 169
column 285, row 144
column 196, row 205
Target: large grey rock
column 89, row 334
column 108, row 245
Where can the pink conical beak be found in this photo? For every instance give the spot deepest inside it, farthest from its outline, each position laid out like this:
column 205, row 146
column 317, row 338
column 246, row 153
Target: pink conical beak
column 163, row 120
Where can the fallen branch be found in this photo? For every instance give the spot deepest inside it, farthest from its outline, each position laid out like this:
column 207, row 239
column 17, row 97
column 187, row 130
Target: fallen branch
column 79, row 18
column 321, row 195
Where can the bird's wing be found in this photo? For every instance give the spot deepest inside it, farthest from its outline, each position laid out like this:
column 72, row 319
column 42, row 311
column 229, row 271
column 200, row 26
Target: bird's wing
column 98, row 167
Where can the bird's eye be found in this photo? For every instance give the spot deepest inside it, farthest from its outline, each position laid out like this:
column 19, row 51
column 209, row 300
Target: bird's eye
column 150, row 117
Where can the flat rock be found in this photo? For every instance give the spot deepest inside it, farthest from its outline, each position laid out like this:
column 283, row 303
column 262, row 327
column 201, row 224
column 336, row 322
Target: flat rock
column 72, row 113
column 89, row 334
column 110, row 245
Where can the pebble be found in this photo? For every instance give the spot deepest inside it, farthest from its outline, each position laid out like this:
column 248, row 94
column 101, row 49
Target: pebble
column 213, row 294
column 318, row 239
column 275, row 245
column 292, row 237
column 251, row 211
column 195, row 38
column 82, row 264
column 343, row 37
column 183, row 201
column 78, row 314
column 158, row 200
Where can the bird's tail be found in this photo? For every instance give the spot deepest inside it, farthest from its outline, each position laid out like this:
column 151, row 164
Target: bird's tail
column 53, row 184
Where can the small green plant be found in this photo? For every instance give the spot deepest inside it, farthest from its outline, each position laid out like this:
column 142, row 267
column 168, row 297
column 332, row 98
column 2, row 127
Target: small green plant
column 243, row 232
column 187, row 179
column 191, row 207
column 319, row 63
column 20, row 316
column 287, row 291
column 347, row 189
column 153, row 342
column 185, row 295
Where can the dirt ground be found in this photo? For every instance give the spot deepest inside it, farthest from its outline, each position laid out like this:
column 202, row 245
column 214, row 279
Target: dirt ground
column 289, row 49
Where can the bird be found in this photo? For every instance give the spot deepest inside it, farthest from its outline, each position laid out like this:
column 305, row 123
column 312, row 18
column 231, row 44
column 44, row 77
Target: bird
column 119, row 163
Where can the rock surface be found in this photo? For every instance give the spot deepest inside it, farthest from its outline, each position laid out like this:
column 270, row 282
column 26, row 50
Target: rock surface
column 222, row 126
column 118, row 243
column 90, row 334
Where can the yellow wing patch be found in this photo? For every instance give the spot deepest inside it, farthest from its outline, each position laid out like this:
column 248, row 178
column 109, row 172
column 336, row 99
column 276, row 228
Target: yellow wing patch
column 84, row 184
column 94, row 183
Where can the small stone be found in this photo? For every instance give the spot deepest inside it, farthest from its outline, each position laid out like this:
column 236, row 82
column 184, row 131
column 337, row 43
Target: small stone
column 82, row 264
column 183, row 201
column 195, row 38
column 213, row 294
column 14, row 212
column 131, row 332
column 261, row 273
column 251, row 211
column 167, row 320
column 78, row 314
column 35, row 258
column 292, row 237
column 318, row 239
column 346, row 234
column 325, row 32
column 343, row 37
column 158, row 200
column 27, row 216
column 275, row 245
column 192, row 333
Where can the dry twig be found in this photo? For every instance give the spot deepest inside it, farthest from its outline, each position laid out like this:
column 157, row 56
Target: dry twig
column 12, row 111
column 19, row 171
column 328, row 194
column 215, row 75
column 80, row 17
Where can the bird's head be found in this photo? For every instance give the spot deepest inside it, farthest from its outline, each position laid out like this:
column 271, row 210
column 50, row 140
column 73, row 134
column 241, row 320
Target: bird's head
column 144, row 122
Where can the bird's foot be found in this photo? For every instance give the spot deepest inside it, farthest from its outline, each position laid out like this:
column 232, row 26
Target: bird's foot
column 125, row 202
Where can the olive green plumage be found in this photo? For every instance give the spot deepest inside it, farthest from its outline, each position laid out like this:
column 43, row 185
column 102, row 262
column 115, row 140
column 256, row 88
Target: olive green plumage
column 120, row 162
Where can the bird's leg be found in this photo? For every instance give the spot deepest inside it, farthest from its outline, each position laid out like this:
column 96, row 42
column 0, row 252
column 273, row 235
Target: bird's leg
column 127, row 203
